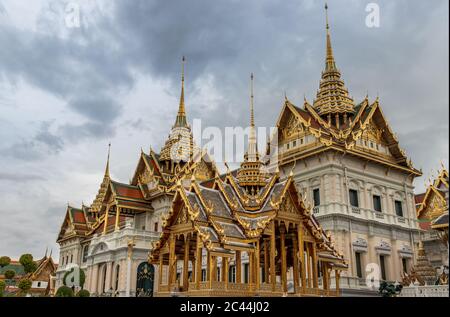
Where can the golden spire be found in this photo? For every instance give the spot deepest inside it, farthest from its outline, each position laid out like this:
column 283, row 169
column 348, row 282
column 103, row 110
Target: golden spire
column 330, row 63
column 107, row 161
column 249, row 174
column 181, row 116
column 252, row 153
column 252, row 115
column 332, row 96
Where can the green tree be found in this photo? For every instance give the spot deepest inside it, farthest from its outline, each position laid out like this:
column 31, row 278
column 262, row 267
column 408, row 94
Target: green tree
column 389, row 289
column 27, row 262
column 9, row 274
column 4, row 261
column 69, row 277
column 64, row 291
column 83, row 293
column 24, row 285
column 2, row 287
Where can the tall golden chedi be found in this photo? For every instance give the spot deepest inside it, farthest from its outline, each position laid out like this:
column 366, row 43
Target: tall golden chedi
column 214, row 225
column 179, row 147
column 422, row 273
column 250, row 175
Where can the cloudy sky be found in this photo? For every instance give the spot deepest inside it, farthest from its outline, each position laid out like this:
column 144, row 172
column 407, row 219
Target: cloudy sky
column 67, row 89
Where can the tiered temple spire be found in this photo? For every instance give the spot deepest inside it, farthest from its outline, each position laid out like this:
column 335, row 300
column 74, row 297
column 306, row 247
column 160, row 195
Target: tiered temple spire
column 97, row 204
column 252, row 154
column 250, row 175
column 181, row 116
column 332, row 96
column 179, row 146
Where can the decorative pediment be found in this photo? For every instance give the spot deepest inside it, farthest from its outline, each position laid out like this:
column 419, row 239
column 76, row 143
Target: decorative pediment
column 383, row 247
column 288, row 206
column 292, row 129
column 405, row 251
column 360, row 245
column 182, row 217
column 435, row 206
column 147, row 176
column 203, row 171
column 373, row 133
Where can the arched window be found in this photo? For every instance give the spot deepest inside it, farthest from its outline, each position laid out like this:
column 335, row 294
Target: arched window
column 85, row 253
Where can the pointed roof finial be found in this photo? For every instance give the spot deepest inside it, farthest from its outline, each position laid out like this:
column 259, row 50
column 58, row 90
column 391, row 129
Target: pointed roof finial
column 181, row 116
column 252, row 114
column 330, row 63
column 228, row 167
column 107, row 161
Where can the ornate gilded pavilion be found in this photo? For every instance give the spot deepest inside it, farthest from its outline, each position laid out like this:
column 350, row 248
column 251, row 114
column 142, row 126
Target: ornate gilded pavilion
column 252, row 213
column 433, row 209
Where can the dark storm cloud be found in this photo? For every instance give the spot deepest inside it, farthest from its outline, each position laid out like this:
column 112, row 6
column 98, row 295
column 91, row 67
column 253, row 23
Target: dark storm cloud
column 82, row 68
column 43, row 143
column 405, row 61
column 282, row 42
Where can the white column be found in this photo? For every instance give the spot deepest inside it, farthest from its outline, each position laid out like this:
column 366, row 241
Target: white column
column 128, row 287
column 108, row 279
column 94, row 281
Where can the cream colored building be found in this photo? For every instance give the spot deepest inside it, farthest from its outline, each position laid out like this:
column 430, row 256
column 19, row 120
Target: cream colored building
column 347, row 159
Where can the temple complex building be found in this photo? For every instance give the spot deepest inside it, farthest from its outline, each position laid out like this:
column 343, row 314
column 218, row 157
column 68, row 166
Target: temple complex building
column 347, row 160
column 432, row 214
column 333, row 207
column 212, row 224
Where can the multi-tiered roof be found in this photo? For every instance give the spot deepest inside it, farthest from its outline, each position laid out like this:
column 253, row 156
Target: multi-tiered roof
column 335, row 122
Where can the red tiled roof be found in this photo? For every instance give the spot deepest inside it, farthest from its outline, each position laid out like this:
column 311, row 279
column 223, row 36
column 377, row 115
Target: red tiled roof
column 124, row 203
column 425, row 225
column 419, row 198
column 127, row 191
column 78, row 216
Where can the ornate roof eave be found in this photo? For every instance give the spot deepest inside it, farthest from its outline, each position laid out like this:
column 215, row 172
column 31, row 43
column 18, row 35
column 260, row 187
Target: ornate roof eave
column 379, row 160
column 350, row 150
column 230, row 200
column 442, row 178
column 424, row 204
column 244, row 199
